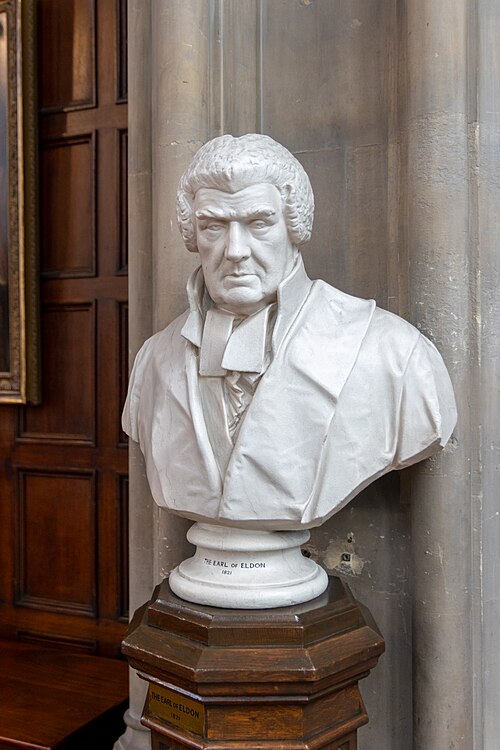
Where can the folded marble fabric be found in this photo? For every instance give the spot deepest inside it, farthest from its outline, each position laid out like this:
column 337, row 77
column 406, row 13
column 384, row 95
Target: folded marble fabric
column 351, row 393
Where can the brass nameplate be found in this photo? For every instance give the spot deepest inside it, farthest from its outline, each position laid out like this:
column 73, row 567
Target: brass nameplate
column 176, row 709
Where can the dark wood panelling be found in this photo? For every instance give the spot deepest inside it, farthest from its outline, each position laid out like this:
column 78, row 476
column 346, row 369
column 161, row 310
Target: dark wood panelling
column 70, row 124
column 80, row 290
column 60, row 624
column 107, row 202
column 30, row 452
column 56, row 532
column 108, row 354
column 7, row 508
column 73, row 440
column 121, row 46
column 123, row 201
column 66, row 54
column 122, row 548
column 75, row 645
column 67, row 412
column 68, row 207
column 122, row 369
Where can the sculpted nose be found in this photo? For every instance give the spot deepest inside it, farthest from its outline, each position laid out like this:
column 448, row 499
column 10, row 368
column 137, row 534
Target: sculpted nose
column 237, row 242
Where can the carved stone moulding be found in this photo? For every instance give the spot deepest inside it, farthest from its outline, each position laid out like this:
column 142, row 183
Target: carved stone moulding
column 222, row 679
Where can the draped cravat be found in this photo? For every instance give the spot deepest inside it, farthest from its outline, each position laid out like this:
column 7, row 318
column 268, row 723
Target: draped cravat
column 234, row 343
column 234, row 354
column 225, row 396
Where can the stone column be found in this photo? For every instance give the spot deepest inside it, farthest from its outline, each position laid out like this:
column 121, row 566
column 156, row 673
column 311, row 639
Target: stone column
column 441, row 251
column 182, row 54
column 487, row 478
column 141, row 508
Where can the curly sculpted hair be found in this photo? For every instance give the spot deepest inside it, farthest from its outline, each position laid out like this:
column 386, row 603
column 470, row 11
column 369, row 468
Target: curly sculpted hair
column 230, row 164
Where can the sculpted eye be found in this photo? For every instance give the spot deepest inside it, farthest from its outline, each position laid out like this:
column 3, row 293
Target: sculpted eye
column 258, row 224
column 214, row 226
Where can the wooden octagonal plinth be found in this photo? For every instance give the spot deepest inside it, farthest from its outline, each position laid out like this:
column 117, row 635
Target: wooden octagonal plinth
column 227, row 679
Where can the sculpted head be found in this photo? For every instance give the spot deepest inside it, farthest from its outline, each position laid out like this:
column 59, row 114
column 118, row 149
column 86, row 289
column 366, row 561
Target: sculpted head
column 246, row 205
column 227, row 163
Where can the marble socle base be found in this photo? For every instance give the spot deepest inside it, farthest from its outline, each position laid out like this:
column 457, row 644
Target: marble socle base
column 247, row 569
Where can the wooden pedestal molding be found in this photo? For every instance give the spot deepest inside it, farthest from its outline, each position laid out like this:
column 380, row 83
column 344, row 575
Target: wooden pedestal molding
column 276, row 679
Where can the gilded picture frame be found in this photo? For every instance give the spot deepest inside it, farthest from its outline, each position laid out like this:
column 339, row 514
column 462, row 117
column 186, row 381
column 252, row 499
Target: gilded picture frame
column 19, row 287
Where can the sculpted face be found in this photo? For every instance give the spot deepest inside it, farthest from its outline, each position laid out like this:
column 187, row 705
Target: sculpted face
column 243, row 244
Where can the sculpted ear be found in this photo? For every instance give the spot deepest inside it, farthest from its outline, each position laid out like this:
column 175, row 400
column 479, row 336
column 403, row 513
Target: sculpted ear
column 298, row 208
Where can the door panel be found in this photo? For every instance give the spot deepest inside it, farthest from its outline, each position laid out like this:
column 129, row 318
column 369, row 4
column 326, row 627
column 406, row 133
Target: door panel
column 63, row 464
column 67, row 64
column 69, row 367
column 67, row 203
column 56, row 522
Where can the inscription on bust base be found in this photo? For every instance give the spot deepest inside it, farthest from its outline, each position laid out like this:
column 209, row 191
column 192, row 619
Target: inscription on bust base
column 247, row 569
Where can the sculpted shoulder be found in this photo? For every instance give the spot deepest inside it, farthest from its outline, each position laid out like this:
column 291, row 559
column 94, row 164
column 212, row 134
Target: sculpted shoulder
column 389, row 333
column 153, row 362
column 164, row 343
column 396, row 338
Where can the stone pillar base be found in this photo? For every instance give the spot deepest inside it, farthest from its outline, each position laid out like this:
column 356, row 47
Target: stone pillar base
column 136, row 737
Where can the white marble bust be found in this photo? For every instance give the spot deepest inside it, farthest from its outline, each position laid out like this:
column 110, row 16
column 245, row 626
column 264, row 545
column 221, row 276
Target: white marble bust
column 274, row 399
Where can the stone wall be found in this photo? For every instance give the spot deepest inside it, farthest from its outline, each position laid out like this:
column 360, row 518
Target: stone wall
column 392, row 108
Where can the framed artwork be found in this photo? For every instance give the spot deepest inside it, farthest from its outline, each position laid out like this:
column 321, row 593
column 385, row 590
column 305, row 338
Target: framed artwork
column 19, row 288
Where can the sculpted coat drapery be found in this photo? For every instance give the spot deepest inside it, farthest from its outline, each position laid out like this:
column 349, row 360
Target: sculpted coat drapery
column 352, row 392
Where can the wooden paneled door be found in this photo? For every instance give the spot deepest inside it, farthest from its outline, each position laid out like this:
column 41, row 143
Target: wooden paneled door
column 63, row 464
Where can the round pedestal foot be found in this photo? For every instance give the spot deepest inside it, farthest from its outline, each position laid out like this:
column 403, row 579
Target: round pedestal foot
column 247, row 569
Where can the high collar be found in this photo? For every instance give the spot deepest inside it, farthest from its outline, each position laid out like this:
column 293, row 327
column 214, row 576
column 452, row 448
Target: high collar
column 291, row 295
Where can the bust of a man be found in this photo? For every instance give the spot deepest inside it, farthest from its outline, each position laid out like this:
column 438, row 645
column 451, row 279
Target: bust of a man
column 274, row 399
